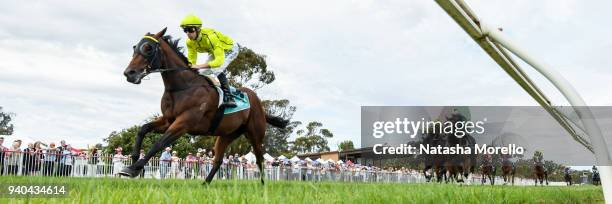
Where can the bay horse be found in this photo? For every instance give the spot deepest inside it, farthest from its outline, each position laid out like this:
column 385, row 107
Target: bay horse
column 508, row 170
column 487, row 170
column 190, row 105
column 596, row 179
column 540, row 173
column 435, row 162
column 459, row 166
column 568, row 177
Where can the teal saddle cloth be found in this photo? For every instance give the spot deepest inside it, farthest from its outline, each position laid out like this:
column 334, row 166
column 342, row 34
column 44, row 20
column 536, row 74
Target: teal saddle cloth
column 241, row 99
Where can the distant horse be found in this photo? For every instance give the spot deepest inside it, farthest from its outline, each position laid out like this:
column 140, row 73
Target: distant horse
column 488, row 171
column 540, row 173
column 435, row 162
column 568, row 178
column 596, row 178
column 190, row 105
column 508, row 170
column 459, row 166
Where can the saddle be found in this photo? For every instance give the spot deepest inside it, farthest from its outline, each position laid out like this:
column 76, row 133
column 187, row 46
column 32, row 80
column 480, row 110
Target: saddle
column 241, row 99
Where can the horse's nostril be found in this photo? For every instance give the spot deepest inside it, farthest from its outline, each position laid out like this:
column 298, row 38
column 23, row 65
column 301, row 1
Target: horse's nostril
column 130, row 73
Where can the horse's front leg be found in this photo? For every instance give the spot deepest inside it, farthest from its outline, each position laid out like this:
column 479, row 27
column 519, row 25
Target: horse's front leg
column 427, row 167
column 159, row 125
column 176, row 130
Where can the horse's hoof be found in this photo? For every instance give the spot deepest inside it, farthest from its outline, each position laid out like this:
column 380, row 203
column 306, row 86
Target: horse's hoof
column 207, row 183
column 129, row 172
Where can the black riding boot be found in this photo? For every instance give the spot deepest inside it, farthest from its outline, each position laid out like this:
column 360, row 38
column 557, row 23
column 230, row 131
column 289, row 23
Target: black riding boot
column 228, row 100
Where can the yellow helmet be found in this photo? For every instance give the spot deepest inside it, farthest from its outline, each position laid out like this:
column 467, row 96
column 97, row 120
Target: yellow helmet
column 191, row 20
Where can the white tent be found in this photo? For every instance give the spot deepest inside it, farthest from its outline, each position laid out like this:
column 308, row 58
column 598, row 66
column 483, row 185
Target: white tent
column 308, row 159
column 250, row 157
column 295, row 159
column 282, row 157
column 267, row 157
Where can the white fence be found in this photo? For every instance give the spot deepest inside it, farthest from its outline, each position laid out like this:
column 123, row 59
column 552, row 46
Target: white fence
column 81, row 165
column 42, row 164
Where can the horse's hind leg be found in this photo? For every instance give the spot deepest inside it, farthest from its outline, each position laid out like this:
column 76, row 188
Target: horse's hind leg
column 220, row 146
column 255, row 135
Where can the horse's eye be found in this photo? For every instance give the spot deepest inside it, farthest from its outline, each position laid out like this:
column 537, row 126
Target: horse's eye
column 145, row 49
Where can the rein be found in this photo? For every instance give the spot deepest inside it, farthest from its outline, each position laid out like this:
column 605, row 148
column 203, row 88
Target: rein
column 152, row 56
column 154, row 60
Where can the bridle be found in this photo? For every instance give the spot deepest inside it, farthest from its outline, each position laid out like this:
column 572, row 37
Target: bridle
column 152, row 56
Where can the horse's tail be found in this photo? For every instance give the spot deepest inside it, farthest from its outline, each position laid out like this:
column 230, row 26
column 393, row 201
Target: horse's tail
column 276, row 121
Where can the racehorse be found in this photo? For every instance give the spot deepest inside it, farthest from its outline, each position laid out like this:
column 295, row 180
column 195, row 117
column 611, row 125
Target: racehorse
column 540, row 173
column 459, row 166
column 596, row 179
column 487, row 170
column 435, row 162
column 568, row 178
column 508, row 170
column 190, row 105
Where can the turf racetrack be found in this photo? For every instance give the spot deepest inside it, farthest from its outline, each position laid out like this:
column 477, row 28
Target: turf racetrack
column 116, row 190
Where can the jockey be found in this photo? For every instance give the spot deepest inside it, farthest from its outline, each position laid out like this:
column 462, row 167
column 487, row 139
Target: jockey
column 538, row 157
column 221, row 49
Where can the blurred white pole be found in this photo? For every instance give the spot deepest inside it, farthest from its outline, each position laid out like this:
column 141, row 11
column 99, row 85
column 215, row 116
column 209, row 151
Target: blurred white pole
column 483, row 35
column 600, row 148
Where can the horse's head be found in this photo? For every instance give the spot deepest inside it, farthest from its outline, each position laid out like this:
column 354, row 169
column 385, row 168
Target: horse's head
column 147, row 57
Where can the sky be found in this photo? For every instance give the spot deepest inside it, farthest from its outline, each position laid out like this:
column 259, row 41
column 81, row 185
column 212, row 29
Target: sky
column 62, row 61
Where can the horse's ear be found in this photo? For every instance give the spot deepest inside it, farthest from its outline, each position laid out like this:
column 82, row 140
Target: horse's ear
column 161, row 33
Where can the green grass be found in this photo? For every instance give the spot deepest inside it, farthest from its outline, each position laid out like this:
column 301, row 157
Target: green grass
column 113, row 190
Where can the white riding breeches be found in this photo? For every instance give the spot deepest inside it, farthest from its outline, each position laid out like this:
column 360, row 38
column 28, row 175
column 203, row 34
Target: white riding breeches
column 230, row 55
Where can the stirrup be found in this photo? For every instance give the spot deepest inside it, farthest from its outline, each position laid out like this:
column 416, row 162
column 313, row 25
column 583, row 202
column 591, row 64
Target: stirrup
column 229, row 105
column 228, row 102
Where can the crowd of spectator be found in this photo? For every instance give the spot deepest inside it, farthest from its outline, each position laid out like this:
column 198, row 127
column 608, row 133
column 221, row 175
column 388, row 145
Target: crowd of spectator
column 62, row 160
column 40, row 158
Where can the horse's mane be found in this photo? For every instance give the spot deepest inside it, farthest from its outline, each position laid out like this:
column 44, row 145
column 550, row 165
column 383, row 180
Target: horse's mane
column 174, row 44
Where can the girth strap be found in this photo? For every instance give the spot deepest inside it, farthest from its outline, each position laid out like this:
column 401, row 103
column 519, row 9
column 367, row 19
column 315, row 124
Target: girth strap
column 216, row 120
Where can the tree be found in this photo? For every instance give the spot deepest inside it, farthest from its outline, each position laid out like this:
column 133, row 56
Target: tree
column 346, row 145
column 249, row 69
column 312, row 139
column 276, row 140
column 6, row 128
